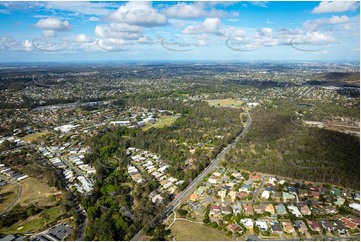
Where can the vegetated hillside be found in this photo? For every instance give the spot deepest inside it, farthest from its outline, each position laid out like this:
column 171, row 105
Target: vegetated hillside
column 275, row 145
column 337, row 79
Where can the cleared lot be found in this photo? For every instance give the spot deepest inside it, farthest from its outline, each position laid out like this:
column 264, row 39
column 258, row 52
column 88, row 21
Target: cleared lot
column 184, row 230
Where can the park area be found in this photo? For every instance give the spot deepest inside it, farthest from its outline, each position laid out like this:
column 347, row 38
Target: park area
column 34, row 136
column 228, row 103
column 162, row 121
column 184, row 230
column 35, row 223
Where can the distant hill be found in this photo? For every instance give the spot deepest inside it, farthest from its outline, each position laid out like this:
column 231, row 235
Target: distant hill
column 341, row 79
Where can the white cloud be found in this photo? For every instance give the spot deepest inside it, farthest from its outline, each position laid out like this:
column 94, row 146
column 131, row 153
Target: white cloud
column 48, row 33
column 82, row 38
column 28, row 45
column 317, row 23
column 261, row 4
column 51, row 26
column 108, row 32
column 214, row 26
column 8, row 43
column 123, row 27
column 196, row 10
column 93, row 19
column 183, row 10
column 209, row 25
column 335, row 7
column 138, row 13
column 54, row 24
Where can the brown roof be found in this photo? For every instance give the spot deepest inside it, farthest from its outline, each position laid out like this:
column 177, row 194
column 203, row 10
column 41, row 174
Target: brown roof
column 314, row 225
column 315, row 194
column 234, row 227
column 348, row 223
column 354, row 219
column 248, row 209
column 215, row 207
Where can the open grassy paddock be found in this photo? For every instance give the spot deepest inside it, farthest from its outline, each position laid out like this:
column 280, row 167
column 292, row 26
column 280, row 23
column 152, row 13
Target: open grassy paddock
column 35, row 136
column 34, row 190
column 7, row 194
column 229, row 102
column 162, row 121
column 184, row 230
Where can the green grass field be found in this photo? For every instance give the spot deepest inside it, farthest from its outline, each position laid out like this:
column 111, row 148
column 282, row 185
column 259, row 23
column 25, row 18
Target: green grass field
column 162, row 121
column 34, row 223
column 183, row 230
column 34, row 136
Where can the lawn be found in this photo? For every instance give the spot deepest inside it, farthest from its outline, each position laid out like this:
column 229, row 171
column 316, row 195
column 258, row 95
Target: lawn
column 7, row 195
column 162, row 121
column 34, row 223
column 35, row 136
column 183, row 230
column 229, row 102
column 35, row 191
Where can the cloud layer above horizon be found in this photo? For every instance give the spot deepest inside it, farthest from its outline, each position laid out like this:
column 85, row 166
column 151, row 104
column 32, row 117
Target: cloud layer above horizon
column 90, row 31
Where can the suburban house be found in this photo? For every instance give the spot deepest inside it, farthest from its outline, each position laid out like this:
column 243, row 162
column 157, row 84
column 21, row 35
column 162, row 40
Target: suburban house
column 354, row 219
column 194, row 197
column 339, row 227
column 233, row 195
column 262, row 225
column 226, row 209
column 275, row 227
column 243, row 195
column 248, row 223
column 222, row 194
column 213, row 180
column 288, row 227
column 326, row 224
column 348, row 223
column 287, row 197
column 215, row 210
column 270, row 208
column 281, row 210
column 248, row 210
column 237, row 208
column 301, row 226
column 314, row 226
column 259, row 208
column 315, row 194
column 265, row 194
column 294, row 210
column 234, row 228
column 305, row 210
column 254, row 177
column 245, row 187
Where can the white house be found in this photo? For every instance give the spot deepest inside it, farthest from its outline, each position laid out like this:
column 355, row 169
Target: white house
column 265, row 194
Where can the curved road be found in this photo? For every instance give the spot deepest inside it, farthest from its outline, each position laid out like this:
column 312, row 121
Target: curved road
column 17, row 197
column 197, row 180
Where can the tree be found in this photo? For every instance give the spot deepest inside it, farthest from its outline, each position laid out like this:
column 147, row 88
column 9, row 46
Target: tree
column 256, row 229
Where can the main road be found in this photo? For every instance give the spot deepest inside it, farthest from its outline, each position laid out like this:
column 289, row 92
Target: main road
column 197, row 180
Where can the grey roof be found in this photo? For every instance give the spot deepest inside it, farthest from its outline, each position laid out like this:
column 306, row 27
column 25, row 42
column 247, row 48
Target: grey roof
column 8, row 238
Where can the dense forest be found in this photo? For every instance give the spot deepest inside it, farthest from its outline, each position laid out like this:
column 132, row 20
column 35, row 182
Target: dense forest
column 275, row 145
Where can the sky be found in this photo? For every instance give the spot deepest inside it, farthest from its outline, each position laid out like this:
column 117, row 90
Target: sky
column 175, row 31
